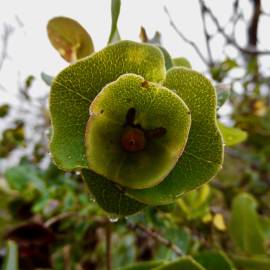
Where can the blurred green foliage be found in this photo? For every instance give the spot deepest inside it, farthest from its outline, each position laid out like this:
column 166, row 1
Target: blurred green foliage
column 48, row 220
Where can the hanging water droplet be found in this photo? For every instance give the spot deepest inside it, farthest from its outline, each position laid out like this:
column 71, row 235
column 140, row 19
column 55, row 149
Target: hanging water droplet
column 92, row 198
column 77, row 172
column 47, row 132
column 113, row 218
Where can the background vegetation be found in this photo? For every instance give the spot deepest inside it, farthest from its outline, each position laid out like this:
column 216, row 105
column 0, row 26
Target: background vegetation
column 55, row 224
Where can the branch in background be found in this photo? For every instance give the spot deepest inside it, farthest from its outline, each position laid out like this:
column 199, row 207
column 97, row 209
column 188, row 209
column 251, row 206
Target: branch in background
column 108, row 230
column 8, row 30
column 185, row 39
column 230, row 40
column 236, row 16
column 206, row 34
column 156, row 236
column 58, row 218
column 253, row 27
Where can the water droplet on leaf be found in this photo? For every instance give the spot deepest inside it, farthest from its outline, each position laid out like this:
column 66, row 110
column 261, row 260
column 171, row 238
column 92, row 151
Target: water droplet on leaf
column 113, row 218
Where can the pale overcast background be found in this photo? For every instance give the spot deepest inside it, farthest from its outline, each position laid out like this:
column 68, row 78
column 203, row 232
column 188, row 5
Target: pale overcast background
column 30, row 51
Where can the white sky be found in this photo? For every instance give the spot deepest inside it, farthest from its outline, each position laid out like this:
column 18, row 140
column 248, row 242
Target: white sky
column 31, row 53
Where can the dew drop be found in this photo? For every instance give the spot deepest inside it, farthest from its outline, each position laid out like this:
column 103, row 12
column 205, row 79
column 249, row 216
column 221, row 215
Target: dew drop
column 77, row 172
column 47, row 132
column 91, row 198
column 113, row 218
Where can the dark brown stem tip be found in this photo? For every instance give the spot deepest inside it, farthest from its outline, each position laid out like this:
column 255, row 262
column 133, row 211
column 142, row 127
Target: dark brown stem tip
column 133, row 139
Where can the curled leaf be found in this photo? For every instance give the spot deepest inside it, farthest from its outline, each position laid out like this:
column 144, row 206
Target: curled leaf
column 231, row 135
column 115, row 11
column 69, row 38
column 181, row 62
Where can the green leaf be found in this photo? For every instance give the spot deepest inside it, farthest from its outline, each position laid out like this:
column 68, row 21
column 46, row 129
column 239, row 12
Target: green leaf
column 22, row 176
column 115, row 11
column 11, row 259
column 244, row 225
column 69, row 38
column 155, row 107
column 150, row 265
column 203, row 154
column 76, row 86
column 223, row 93
column 195, row 204
column 185, row 263
column 109, row 197
column 252, row 263
column 167, row 57
column 213, row 260
column 4, row 110
column 47, row 78
column 232, row 136
column 181, row 62
column 265, row 226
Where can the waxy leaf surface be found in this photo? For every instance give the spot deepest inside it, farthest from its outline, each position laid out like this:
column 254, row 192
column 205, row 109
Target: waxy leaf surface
column 109, row 197
column 155, row 107
column 75, row 87
column 185, row 263
column 69, row 38
column 203, row 154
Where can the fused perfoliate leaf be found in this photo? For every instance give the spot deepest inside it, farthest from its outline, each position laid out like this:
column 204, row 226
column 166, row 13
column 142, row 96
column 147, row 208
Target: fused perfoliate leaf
column 181, row 62
column 136, row 132
column 75, row 87
column 69, row 38
column 203, row 154
column 232, row 136
column 110, row 197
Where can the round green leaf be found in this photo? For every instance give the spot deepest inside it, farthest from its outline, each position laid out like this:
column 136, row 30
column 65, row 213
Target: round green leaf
column 167, row 57
column 69, row 38
column 181, row 62
column 231, row 135
column 109, row 197
column 203, row 154
column 155, row 108
column 76, row 86
column 144, row 265
column 214, row 259
column 185, row 263
column 244, row 225
column 252, row 262
column 4, row 110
